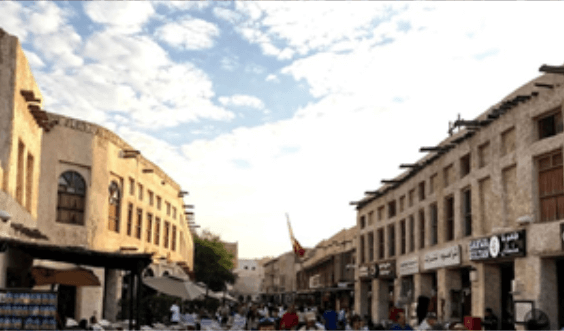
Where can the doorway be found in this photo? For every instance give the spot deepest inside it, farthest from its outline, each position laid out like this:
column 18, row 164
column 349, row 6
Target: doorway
column 67, row 301
column 466, row 292
column 507, row 306
column 560, row 276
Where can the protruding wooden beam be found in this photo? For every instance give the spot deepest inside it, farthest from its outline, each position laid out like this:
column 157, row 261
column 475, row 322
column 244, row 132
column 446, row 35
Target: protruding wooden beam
column 188, row 213
column 29, row 96
column 353, row 203
column 189, row 206
column 390, row 181
column 436, row 148
column 552, row 69
column 182, row 193
column 414, row 165
column 148, row 171
column 372, row 193
column 534, row 93
column 544, row 85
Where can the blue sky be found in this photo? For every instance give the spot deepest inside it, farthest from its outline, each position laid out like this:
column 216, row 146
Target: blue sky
column 263, row 108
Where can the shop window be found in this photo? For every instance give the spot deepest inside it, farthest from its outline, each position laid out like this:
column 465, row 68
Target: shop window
column 362, row 258
column 410, row 197
column 114, row 202
column 484, row 154
column 432, row 183
column 403, row 234
column 411, row 233
column 131, row 186
column 139, row 224
column 447, row 175
column 449, row 218
column 362, row 222
column 149, row 227
column 392, row 240
column 508, row 141
column 421, row 191
column 129, row 218
column 29, row 182
column 71, row 196
column 551, row 186
column 402, row 203
column 550, row 125
column 20, row 173
column 157, row 240
column 151, row 198
column 467, row 211
column 370, row 218
column 140, row 191
column 166, row 234
column 381, row 213
column 371, row 246
column 464, row 165
column 381, row 244
column 391, row 209
column 421, row 229
column 434, row 224
column 173, row 241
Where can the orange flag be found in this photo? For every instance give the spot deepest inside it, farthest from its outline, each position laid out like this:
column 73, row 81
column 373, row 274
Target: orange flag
column 298, row 249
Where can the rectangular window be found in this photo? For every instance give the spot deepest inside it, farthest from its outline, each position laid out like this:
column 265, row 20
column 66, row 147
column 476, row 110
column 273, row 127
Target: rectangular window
column 139, row 224
column 362, row 222
column 421, row 191
column 129, row 218
column 371, row 246
column 391, row 209
column 174, row 212
column 467, row 211
column 421, row 229
column 410, row 196
column 464, row 165
column 402, row 203
column 173, row 243
column 362, row 249
column 551, row 186
column 131, row 186
column 157, row 231
column 381, row 213
column 432, row 183
column 484, row 154
column 151, row 198
column 447, row 175
column 508, row 141
column 403, row 233
column 449, row 218
column 392, row 240
column 550, row 125
column 29, row 182
column 140, row 191
column 370, row 218
column 381, row 244
column 20, row 174
column 166, row 234
column 158, row 202
column 411, row 233
column 167, row 204
column 149, row 227
column 434, row 224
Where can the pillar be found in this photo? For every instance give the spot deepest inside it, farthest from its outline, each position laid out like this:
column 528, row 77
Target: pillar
column 486, row 290
column 3, row 268
column 379, row 300
column 357, row 295
column 447, row 280
column 112, row 294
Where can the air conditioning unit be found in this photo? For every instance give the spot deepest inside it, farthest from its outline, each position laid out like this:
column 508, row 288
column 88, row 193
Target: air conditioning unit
column 524, row 220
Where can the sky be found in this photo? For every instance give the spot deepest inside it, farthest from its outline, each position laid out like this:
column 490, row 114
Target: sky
column 259, row 109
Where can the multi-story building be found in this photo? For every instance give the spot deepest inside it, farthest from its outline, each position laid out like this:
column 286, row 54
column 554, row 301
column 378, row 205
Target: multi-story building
column 280, row 279
column 327, row 272
column 250, row 274
column 476, row 223
column 233, row 249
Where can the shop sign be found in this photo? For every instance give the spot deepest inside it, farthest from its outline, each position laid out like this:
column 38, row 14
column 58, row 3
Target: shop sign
column 386, row 270
column 343, row 284
column 409, row 267
column 442, row 258
column 367, row 271
column 509, row 244
column 314, row 281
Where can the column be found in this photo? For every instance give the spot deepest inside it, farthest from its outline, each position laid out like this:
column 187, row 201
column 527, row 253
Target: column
column 486, row 290
column 357, row 295
column 111, row 294
column 447, row 280
column 379, row 299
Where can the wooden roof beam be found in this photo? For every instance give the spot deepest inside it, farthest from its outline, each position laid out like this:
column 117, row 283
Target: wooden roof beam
column 414, row 165
column 552, row 69
column 544, row 85
column 390, row 181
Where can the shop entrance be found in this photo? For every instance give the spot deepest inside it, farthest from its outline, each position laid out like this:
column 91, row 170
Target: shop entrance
column 560, row 276
column 67, row 301
column 507, row 306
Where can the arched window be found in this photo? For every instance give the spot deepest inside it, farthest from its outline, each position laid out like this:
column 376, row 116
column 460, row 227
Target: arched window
column 115, row 199
column 71, row 196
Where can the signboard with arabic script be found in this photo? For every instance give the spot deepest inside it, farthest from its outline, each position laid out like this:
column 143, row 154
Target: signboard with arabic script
column 509, row 244
column 409, row 267
column 386, row 270
column 442, row 258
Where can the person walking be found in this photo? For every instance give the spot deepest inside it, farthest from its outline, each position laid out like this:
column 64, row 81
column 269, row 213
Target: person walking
column 311, row 322
column 175, row 311
column 330, row 318
column 289, row 319
column 401, row 323
column 429, row 322
column 490, row 321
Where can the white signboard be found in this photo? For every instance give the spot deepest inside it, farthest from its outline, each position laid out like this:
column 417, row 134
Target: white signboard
column 442, row 258
column 314, row 281
column 409, row 267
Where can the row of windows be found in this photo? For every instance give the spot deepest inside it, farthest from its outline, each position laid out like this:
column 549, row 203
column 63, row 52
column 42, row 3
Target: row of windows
column 152, row 229
column 170, row 210
column 548, row 125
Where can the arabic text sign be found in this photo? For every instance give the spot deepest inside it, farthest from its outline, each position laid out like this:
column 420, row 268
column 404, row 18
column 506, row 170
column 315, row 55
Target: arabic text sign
column 409, row 267
column 442, row 258
column 510, row 244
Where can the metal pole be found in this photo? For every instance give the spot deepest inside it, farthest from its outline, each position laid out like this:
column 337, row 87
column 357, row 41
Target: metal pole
column 130, row 300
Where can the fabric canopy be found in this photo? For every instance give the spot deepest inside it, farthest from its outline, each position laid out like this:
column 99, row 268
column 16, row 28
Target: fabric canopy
column 176, row 287
column 72, row 277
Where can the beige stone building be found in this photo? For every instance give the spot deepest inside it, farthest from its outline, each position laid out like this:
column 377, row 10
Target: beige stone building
column 250, row 274
column 280, row 278
column 476, row 223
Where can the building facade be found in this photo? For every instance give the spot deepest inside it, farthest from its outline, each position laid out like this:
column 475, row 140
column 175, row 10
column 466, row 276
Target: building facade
column 280, row 279
column 250, row 275
column 476, row 223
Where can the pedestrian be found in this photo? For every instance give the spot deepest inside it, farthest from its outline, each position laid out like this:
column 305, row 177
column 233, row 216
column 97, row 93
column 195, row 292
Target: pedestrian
column 429, row 322
column 290, row 319
column 330, row 317
column 266, row 323
column 311, row 322
column 490, row 321
column 253, row 318
column 175, row 310
column 355, row 323
column 400, row 322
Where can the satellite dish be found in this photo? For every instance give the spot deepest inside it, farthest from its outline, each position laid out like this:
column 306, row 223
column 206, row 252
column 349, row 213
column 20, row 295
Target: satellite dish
column 536, row 319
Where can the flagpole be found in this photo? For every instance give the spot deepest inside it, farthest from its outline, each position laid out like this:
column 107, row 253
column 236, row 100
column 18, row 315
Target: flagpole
column 300, row 260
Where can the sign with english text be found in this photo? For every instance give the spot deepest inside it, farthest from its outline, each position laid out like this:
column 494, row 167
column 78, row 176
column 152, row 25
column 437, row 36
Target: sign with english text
column 509, row 244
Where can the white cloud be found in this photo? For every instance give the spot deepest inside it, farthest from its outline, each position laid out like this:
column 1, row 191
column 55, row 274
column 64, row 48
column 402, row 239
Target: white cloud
column 189, row 33
column 46, row 18
column 227, row 14
column 184, row 5
column 13, row 22
column 230, row 63
column 125, row 16
column 60, row 47
column 239, row 100
column 34, row 60
column 272, row 78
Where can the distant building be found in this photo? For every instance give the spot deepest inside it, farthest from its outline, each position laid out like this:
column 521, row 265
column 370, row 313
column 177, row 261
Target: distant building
column 232, row 248
column 250, row 275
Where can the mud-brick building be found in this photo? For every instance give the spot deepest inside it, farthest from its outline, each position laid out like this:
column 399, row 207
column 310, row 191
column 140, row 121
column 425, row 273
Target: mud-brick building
column 479, row 221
